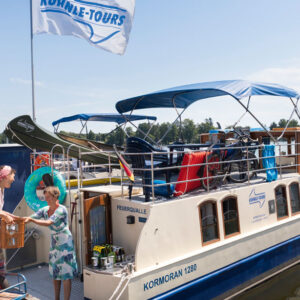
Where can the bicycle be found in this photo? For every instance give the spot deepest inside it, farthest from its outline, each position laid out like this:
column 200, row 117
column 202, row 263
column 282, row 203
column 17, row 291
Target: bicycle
column 234, row 163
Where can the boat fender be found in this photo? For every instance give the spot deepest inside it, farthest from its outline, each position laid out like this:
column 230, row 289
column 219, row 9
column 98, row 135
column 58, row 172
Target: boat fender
column 41, row 160
column 32, row 183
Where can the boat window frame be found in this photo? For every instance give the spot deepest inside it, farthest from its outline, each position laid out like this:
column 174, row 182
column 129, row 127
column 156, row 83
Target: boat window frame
column 238, row 217
column 290, row 198
column 217, row 218
column 286, row 197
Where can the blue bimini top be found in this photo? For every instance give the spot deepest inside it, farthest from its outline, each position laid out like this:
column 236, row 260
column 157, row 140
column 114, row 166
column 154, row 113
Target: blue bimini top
column 183, row 96
column 116, row 118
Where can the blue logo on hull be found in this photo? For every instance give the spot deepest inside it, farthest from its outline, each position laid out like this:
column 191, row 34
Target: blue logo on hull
column 259, row 198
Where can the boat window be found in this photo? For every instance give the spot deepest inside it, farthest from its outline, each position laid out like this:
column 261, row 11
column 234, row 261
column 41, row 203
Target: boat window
column 230, row 216
column 97, row 226
column 209, row 221
column 281, row 202
column 97, row 221
column 295, row 197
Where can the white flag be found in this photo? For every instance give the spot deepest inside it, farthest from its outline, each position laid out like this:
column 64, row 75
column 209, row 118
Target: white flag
column 103, row 23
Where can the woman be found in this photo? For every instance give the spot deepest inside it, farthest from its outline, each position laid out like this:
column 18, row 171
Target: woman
column 7, row 177
column 62, row 259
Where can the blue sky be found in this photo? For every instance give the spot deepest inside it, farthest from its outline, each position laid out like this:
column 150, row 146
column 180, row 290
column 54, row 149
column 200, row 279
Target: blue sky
column 172, row 43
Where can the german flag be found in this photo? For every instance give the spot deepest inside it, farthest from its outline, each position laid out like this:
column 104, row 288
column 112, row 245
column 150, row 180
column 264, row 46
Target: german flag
column 124, row 165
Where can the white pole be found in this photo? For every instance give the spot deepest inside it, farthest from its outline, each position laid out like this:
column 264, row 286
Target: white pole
column 32, row 69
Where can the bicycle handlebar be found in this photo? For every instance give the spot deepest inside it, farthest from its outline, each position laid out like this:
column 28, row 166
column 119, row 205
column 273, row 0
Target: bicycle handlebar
column 240, row 134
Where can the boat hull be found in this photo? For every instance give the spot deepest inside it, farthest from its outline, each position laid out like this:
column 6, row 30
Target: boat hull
column 228, row 280
column 220, row 283
column 213, row 271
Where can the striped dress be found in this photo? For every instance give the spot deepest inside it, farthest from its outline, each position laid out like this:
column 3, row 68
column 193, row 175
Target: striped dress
column 62, row 257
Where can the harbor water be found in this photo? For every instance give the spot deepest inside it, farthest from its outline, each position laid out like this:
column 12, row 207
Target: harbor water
column 284, row 286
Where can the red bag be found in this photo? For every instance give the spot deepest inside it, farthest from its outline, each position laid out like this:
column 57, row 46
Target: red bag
column 187, row 173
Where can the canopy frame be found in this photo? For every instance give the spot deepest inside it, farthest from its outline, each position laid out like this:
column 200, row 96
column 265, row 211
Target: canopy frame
column 180, row 122
column 146, row 134
column 248, row 104
column 260, row 123
column 238, row 89
column 114, row 118
column 288, row 122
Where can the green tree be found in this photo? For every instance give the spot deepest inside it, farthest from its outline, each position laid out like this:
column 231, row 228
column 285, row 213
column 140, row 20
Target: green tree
column 116, row 137
column 99, row 137
column 173, row 134
column 129, row 131
column 163, row 129
column 293, row 123
column 154, row 133
column 91, row 135
column 189, row 131
column 273, row 125
column 205, row 126
column 142, row 129
column 282, row 123
column 2, row 138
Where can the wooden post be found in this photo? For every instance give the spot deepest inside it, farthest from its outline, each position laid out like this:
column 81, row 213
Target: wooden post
column 289, row 148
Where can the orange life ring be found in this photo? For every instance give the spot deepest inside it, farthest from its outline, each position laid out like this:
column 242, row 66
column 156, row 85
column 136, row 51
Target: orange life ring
column 41, row 160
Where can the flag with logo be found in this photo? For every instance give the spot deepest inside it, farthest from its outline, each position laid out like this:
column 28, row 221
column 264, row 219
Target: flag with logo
column 103, row 23
column 124, row 165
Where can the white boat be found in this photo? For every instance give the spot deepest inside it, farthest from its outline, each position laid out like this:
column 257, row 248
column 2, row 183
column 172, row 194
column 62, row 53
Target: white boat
column 176, row 257
column 204, row 243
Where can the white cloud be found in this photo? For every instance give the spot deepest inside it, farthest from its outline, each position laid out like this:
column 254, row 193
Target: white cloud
column 68, row 107
column 289, row 76
column 25, row 82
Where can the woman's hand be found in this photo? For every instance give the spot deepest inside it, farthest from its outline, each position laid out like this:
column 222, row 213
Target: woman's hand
column 8, row 219
column 17, row 218
column 27, row 220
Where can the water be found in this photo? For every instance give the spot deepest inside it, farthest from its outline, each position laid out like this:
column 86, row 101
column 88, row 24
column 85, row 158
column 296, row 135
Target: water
column 284, row 286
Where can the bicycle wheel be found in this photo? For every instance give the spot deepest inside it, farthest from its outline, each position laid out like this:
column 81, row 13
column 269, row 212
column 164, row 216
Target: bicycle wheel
column 243, row 169
column 211, row 170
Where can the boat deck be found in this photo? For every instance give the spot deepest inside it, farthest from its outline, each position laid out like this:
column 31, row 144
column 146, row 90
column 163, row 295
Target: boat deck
column 260, row 179
column 40, row 284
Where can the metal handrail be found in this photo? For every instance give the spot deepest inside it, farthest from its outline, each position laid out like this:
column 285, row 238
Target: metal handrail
column 152, row 168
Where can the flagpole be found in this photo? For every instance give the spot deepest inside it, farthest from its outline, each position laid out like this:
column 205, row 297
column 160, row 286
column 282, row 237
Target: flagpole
column 32, row 69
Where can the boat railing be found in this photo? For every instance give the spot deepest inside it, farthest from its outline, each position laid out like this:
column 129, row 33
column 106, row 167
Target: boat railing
column 60, row 159
column 39, row 159
column 148, row 170
column 161, row 179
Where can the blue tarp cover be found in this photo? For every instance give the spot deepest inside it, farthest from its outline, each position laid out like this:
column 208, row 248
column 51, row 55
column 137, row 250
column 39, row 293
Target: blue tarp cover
column 183, row 96
column 269, row 163
column 116, row 118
